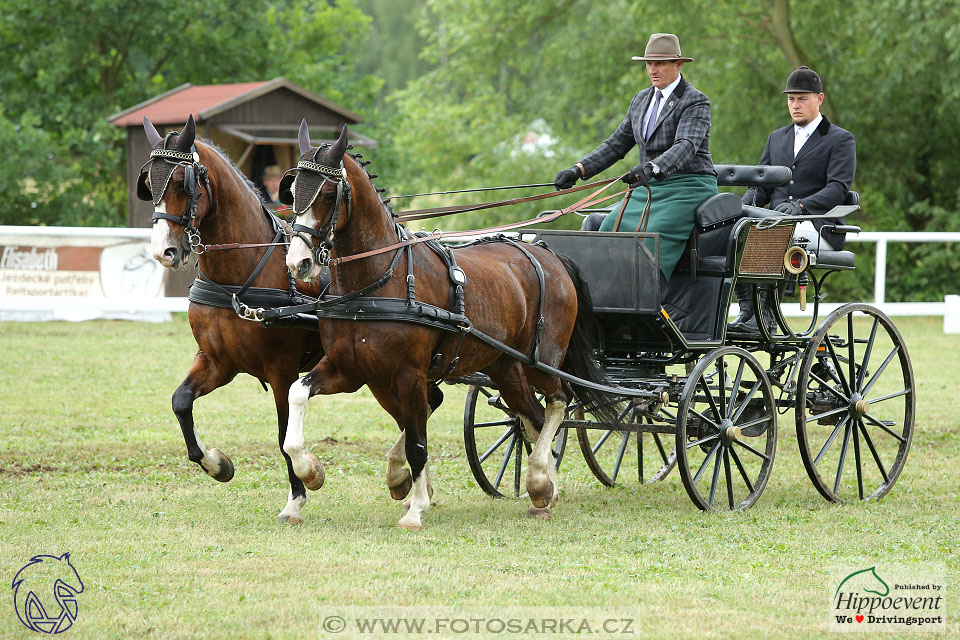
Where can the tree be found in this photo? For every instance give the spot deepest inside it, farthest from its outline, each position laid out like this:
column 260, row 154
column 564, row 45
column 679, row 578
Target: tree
column 70, row 64
column 889, row 70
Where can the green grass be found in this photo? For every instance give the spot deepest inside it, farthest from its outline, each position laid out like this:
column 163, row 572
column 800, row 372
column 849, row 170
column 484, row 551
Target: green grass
column 92, row 462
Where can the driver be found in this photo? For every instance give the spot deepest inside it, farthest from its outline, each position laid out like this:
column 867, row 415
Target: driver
column 669, row 122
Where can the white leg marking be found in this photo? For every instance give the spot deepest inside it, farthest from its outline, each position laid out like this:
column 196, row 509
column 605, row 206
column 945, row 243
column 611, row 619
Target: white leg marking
column 541, row 469
column 211, row 462
column 291, row 512
column 419, row 502
column 293, row 442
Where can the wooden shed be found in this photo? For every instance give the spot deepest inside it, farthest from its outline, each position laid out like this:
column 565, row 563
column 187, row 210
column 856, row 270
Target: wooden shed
column 255, row 123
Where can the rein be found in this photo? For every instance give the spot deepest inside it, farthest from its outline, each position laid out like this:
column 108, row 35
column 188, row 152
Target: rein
column 588, row 201
column 423, row 214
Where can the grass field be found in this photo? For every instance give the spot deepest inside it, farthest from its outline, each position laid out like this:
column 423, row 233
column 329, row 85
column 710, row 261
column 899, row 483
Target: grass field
column 92, row 462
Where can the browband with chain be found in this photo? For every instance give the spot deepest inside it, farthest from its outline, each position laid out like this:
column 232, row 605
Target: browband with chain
column 175, row 155
column 339, row 172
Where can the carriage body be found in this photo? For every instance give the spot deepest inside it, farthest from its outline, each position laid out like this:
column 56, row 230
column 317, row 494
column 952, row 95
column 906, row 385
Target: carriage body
column 717, row 393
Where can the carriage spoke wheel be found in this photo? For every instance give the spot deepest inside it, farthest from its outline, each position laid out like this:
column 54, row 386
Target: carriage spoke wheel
column 614, row 455
column 726, row 431
column 855, row 405
column 496, row 445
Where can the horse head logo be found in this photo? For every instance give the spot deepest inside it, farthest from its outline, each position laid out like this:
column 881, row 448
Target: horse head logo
column 45, row 594
column 867, row 581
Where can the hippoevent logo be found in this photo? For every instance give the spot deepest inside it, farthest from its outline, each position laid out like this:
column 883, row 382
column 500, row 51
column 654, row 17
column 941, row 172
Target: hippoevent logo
column 45, row 594
column 891, row 599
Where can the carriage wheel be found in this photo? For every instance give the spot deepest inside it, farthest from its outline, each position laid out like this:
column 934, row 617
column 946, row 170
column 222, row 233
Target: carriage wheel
column 606, row 450
column 726, row 431
column 855, row 391
column 496, row 445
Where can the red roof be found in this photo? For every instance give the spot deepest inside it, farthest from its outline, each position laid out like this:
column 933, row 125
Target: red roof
column 175, row 106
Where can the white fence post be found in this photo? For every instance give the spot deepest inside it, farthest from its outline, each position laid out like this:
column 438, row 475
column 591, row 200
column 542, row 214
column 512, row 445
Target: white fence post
column 880, row 274
column 951, row 314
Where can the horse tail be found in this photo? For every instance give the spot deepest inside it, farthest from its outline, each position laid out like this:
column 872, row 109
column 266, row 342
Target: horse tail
column 580, row 359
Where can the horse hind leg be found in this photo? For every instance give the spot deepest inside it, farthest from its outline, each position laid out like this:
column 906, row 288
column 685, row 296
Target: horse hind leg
column 201, row 380
column 542, row 470
column 399, row 480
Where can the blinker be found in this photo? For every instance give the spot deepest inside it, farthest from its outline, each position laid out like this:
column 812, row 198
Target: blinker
column 285, row 193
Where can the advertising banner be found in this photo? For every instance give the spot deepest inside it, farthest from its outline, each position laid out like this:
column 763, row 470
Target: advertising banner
column 71, row 273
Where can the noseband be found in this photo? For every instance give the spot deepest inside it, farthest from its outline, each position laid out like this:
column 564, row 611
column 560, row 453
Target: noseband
column 324, row 233
column 193, row 174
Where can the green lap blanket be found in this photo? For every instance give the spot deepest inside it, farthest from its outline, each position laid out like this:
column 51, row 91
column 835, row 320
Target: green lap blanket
column 675, row 200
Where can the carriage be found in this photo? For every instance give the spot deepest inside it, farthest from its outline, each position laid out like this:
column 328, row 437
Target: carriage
column 713, row 396
column 655, row 372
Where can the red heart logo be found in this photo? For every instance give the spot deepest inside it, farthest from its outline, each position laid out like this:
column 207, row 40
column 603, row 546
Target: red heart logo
column 859, row 618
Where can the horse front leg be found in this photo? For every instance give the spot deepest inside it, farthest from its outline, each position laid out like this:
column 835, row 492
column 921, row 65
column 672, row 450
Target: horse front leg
column 399, row 479
column 297, row 496
column 204, row 376
column 324, row 379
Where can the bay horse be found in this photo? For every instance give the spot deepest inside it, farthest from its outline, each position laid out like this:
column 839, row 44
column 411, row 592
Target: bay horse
column 220, row 205
column 339, row 213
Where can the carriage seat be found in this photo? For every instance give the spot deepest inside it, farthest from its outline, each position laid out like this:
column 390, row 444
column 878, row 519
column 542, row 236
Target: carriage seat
column 824, row 258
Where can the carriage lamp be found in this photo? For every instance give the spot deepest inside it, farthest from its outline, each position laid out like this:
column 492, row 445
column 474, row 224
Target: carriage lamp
column 795, row 260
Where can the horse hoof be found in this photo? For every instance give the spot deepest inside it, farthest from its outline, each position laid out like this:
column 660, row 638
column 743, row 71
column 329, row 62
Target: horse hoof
column 400, row 491
column 314, row 475
column 541, row 494
column 291, row 520
column 225, row 466
column 538, row 513
column 410, row 524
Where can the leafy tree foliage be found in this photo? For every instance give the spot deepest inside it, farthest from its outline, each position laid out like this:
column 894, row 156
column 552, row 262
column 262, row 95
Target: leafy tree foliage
column 890, row 73
column 465, row 93
column 69, row 64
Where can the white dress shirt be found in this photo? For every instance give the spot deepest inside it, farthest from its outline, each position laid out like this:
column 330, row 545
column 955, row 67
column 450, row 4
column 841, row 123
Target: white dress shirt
column 802, row 134
column 666, row 91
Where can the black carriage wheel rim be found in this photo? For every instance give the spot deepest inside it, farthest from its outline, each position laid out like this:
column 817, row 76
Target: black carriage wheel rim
column 721, row 480
column 502, row 478
column 593, row 440
column 853, row 378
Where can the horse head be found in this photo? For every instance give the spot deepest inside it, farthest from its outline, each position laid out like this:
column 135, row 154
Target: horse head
column 179, row 187
column 321, row 195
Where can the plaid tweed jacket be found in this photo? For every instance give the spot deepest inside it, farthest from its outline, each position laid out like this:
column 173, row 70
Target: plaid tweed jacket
column 680, row 143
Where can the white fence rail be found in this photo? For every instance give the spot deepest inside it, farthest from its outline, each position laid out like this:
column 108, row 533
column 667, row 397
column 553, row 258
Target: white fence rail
column 882, row 239
column 74, row 306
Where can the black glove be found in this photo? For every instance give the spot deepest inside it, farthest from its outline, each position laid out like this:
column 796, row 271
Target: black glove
column 638, row 176
column 790, row 208
column 566, row 178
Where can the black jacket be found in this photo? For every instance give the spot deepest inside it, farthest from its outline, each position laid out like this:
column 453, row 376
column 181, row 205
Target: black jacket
column 822, row 172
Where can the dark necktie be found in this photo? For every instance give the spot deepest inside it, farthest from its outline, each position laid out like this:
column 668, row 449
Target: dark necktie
column 653, row 116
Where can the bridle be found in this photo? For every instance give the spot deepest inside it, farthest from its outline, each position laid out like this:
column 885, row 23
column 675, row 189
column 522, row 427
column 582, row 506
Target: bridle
column 193, row 174
column 325, row 232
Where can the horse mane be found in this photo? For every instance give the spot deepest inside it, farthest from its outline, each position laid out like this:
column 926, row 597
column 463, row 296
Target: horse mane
column 244, row 180
column 371, row 176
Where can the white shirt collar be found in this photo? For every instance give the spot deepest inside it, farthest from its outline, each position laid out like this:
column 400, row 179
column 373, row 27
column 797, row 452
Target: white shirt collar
column 667, row 90
column 809, row 128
